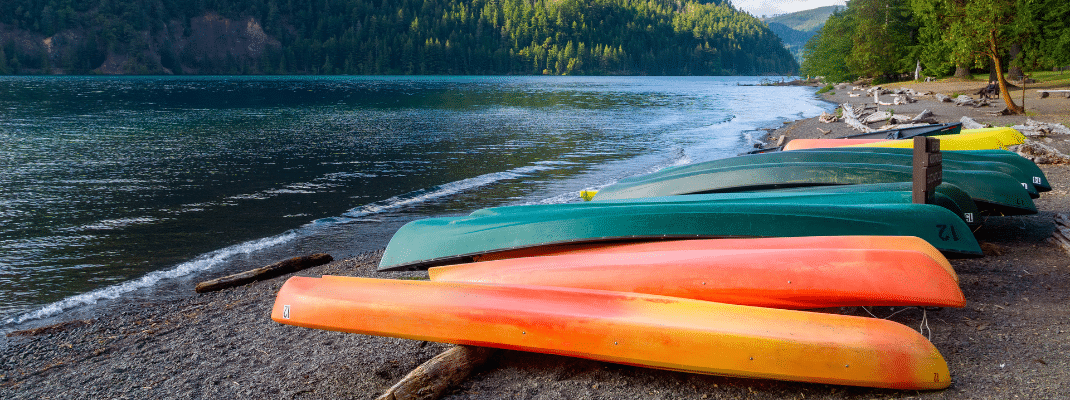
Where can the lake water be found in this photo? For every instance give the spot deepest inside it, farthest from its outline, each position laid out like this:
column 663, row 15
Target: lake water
column 134, row 187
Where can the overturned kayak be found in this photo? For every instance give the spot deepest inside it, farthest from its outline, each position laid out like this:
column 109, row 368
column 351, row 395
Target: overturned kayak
column 970, row 139
column 439, row 241
column 627, row 328
column 890, row 134
column 837, row 155
column 903, row 243
column 995, row 193
column 781, row 278
column 1032, row 171
column 907, row 133
column 946, row 195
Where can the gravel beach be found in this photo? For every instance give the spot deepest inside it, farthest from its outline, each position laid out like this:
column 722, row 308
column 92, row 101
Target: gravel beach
column 1012, row 340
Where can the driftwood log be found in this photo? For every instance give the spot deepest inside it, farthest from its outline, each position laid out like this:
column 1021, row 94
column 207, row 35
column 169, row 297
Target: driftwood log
column 850, row 116
column 1061, row 236
column 1041, row 153
column 430, row 380
column 280, row 268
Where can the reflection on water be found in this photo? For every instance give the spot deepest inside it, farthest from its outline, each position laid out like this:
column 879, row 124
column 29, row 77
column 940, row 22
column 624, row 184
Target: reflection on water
column 111, row 184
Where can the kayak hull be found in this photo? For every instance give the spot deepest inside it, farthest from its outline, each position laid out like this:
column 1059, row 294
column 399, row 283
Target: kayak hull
column 905, row 243
column 627, row 328
column 969, row 139
column 440, row 241
column 839, row 156
column 1032, row 171
column 995, row 193
column 783, row 278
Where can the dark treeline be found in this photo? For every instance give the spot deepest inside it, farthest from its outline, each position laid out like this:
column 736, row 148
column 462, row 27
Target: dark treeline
column 622, row 37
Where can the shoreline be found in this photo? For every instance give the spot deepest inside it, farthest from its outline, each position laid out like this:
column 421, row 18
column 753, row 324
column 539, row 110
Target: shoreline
column 1010, row 340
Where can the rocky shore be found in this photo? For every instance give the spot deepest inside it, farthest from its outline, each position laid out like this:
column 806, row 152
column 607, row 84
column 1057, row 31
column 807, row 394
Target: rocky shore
column 1012, row 340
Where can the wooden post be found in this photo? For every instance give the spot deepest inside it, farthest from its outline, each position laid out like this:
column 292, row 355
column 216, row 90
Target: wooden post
column 928, row 171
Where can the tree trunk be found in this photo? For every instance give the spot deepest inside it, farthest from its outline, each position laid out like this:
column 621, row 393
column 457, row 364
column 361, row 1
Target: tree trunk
column 962, row 72
column 1003, row 92
column 1014, row 72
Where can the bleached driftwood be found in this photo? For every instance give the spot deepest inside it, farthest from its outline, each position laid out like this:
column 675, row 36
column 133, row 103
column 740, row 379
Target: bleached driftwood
column 902, row 98
column 969, row 123
column 877, row 117
column 827, row 118
column 924, row 118
column 1037, row 128
column 942, row 97
column 964, row 100
column 898, row 126
column 850, row 117
column 1041, row 153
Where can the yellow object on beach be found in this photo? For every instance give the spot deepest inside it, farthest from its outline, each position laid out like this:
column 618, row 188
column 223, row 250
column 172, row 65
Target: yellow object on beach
column 588, row 195
column 969, row 139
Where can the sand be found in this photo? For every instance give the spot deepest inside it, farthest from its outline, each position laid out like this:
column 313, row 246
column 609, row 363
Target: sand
column 1012, row 340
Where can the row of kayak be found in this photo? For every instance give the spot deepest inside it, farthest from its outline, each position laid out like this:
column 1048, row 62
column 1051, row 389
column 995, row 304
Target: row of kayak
column 700, row 268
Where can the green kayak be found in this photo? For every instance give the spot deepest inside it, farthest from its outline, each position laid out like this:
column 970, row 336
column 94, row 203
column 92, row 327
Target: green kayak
column 837, row 156
column 1032, row 172
column 995, row 193
column 438, row 241
column 947, row 196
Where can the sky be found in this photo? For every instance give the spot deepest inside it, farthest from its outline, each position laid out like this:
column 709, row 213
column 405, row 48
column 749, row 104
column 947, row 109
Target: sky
column 758, row 8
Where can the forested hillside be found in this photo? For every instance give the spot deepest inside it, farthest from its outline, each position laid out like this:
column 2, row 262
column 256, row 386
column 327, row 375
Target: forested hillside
column 624, row 37
column 889, row 39
column 795, row 29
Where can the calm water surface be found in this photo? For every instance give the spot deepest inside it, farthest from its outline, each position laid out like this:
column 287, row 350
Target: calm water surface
column 133, row 187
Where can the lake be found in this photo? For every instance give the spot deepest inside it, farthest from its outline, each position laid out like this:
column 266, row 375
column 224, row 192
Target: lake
column 127, row 188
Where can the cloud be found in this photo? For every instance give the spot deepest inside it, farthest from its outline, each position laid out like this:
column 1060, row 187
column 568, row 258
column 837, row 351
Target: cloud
column 759, row 8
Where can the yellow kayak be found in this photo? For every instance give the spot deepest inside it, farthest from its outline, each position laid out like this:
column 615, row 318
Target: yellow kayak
column 969, row 139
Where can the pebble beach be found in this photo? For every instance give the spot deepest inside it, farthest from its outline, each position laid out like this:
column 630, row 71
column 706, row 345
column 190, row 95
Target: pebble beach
column 1012, row 340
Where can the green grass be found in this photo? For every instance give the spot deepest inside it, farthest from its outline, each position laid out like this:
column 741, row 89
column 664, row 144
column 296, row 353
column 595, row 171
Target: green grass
column 825, row 89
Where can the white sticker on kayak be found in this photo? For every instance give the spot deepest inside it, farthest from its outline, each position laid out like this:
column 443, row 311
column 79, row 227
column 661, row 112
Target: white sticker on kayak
column 969, row 218
column 1025, row 185
column 286, row 311
column 1036, row 180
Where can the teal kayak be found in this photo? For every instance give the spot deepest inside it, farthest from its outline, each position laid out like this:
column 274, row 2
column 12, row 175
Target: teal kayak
column 947, row 196
column 439, row 241
column 1032, row 171
column 995, row 193
column 838, row 156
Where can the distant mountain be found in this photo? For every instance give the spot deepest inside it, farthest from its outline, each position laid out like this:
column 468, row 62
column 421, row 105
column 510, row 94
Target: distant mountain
column 797, row 28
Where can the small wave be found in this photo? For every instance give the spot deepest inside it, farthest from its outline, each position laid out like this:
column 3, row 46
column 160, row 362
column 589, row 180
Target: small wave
column 202, row 263
column 119, row 223
column 425, row 195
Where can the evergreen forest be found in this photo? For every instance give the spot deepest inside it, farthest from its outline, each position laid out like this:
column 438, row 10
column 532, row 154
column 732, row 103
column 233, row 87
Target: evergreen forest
column 371, row 37
column 893, row 39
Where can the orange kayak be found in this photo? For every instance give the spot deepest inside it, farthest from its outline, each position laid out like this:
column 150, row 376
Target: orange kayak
column 806, row 242
column 627, row 328
column 790, row 279
column 801, row 144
